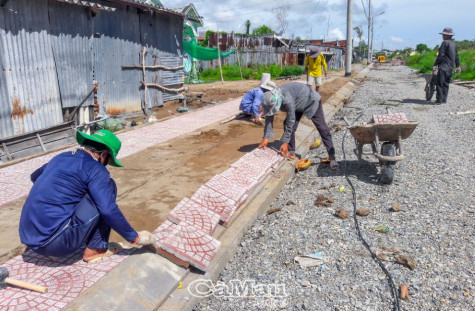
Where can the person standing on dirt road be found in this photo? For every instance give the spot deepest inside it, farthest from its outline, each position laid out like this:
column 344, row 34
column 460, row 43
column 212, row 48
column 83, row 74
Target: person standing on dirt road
column 72, row 203
column 252, row 100
column 444, row 65
column 314, row 62
column 296, row 99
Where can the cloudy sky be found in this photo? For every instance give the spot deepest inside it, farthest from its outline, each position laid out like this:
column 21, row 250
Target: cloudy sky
column 399, row 24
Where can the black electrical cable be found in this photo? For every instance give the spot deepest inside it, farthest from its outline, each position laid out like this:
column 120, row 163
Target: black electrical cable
column 394, row 292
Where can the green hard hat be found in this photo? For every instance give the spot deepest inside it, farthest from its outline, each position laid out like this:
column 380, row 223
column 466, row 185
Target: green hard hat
column 108, row 139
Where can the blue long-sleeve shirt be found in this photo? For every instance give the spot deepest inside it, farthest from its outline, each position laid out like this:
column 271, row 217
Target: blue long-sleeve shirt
column 251, row 101
column 58, row 187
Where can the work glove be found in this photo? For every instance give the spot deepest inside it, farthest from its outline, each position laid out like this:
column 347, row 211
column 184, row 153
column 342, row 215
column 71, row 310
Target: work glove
column 458, row 70
column 145, row 238
column 256, row 120
column 263, row 143
column 435, row 70
column 284, row 149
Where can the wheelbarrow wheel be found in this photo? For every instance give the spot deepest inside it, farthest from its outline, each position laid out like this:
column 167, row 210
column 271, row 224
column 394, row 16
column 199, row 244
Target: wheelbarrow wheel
column 430, row 89
column 387, row 167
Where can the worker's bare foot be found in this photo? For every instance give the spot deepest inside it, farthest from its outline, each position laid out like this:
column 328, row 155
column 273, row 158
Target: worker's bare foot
column 291, row 156
column 92, row 255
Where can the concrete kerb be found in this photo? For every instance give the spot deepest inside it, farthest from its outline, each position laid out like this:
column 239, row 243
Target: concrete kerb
column 148, row 281
column 257, row 205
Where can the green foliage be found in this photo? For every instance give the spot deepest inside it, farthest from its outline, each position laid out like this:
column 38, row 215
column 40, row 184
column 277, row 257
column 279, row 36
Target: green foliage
column 231, row 73
column 262, row 30
column 291, row 71
column 425, row 62
column 465, row 45
column 421, row 48
column 467, row 64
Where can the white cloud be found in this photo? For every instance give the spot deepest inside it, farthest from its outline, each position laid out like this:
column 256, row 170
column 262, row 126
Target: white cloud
column 336, row 34
column 396, row 39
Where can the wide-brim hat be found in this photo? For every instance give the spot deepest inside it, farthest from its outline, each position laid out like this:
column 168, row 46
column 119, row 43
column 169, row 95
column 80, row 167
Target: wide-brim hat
column 269, row 85
column 106, row 138
column 314, row 52
column 271, row 102
column 447, row 31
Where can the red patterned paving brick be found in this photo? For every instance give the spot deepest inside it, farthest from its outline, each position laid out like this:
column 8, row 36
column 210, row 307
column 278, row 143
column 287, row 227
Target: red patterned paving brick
column 390, row 118
column 228, row 188
column 259, row 163
column 194, row 214
column 190, row 245
column 216, row 202
column 164, row 230
column 242, row 178
column 252, row 170
column 65, row 278
column 268, row 155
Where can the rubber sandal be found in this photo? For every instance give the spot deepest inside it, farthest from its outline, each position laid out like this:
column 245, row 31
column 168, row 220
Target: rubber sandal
column 113, row 249
column 291, row 157
column 334, row 165
column 325, row 160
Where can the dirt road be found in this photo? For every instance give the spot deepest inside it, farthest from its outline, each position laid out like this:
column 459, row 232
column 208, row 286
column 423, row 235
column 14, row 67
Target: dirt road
column 153, row 181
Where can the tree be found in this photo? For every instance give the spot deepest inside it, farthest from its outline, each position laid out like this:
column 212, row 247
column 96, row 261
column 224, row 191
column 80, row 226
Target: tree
column 247, row 25
column 262, row 30
column 359, row 33
column 421, row 48
column 281, row 14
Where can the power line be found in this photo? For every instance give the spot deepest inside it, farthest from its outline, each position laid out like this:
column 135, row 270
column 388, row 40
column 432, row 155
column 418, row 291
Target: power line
column 262, row 10
column 247, row 6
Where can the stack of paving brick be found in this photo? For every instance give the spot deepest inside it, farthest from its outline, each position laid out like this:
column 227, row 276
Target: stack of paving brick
column 390, row 118
column 187, row 234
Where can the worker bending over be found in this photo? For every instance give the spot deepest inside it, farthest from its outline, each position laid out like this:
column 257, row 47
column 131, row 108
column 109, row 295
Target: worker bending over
column 296, row 99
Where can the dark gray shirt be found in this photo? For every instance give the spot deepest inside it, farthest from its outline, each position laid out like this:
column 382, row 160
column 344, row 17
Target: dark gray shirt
column 448, row 56
column 296, row 97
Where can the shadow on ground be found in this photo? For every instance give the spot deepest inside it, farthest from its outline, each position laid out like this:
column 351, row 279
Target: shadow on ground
column 413, row 101
column 367, row 173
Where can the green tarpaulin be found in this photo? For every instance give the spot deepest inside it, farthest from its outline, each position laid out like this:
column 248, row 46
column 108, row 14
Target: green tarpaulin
column 197, row 51
column 201, row 52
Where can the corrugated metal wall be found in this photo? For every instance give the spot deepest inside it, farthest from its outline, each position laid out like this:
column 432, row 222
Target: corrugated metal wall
column 163, row 48
column 52, row 52
column 72, row 51
column 116, row 44
column 30, row 95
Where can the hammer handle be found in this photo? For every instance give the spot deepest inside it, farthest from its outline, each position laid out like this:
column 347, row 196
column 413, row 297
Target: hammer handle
column 33, row 287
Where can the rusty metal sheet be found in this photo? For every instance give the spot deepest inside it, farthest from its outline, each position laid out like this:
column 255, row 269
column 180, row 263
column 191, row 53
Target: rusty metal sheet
column 30, row 96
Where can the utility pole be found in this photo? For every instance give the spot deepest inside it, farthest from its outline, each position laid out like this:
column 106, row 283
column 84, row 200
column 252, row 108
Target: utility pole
column 369, row 31
column 349, row 42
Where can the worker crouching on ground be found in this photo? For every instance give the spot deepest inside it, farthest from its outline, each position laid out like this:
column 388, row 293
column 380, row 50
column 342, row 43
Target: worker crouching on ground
column 296, row 99
column 252, row 100
column 72, row 203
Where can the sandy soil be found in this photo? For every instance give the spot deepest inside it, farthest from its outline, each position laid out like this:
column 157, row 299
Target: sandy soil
column 155, row 180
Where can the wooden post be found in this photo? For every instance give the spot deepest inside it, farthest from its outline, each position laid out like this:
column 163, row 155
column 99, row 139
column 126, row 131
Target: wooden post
column 144, row 51
column 219, row 56
column 239, row 63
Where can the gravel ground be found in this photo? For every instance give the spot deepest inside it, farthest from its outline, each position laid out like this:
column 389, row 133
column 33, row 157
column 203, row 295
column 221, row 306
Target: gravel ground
column 435, row 228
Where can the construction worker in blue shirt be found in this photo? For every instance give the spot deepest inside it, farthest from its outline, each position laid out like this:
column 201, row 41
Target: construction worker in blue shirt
column 72, row 204
column 252, row 100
